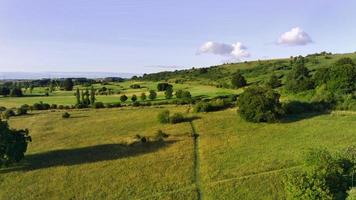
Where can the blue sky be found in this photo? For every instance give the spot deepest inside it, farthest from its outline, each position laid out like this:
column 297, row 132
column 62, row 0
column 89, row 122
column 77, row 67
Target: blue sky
column 155, row 35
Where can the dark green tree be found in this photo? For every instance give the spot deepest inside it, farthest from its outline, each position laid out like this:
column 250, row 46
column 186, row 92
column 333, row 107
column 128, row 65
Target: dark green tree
column 68, row 84
column 169, row 92
column 259, row 104
column 13, row 144
column 16, row 92
column 273, row 82
column 143, row 96
column 92, row 95
column 123, row 98
column 152, row 95
column 238, row 81
column 77, row 96
column 299, row 79
column 134, row 98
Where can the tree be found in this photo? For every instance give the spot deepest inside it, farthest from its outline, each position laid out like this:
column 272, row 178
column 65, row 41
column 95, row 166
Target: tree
column 179, row 94
column 123, row 98
column 169, row 92
column 163, row 117
column 92, row 95
column 152, row 95
column 68, row 84
column 163, row 86
column 342, row 79
column 186, row 95
column 321, row 76
column 238, row 80
column 77, row 95
column 143, row 96
column 13, row 144
column 299, row 79
column 273, row 82
column 5, row 91
column 134, row 98
column 16, row 92
column 259, row 104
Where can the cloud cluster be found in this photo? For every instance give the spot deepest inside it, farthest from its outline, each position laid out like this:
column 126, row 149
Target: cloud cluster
column 295, row 37
column 235, row 51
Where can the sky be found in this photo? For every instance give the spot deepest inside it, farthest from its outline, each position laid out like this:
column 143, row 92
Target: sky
column 141, row 36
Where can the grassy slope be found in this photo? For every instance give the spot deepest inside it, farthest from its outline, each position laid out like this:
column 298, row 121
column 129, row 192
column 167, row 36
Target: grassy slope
column 92, row 161
column 241, row 160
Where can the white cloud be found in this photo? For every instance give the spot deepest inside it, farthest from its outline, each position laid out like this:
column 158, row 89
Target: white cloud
column 295, row 37
column 235, row 51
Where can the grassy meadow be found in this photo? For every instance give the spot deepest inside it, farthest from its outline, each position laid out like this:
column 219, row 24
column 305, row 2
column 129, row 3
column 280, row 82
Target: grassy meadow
column 89, row 155
column 93, row 155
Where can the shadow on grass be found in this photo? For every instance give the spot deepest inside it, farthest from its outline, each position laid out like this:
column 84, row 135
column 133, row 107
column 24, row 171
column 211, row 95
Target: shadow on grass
column 191, row 118
column 296, row 110
column 91, row 154
column 298, row 117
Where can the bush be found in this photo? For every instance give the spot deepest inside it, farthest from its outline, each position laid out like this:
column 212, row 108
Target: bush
column 54, row 106
column 98, row 105
column 176, row 118
column 160, row 135
column 65, row 115
column 258, row 104
column 61, row 107
column 7, row 114
column 22, row 110
column 273, row 82
column 135, row 86
column 163, row 117
column 134, row 98
column 325, row 177
column 152, row 95
column 299, row 80
column 13, row 144
column 123, row 98
column 41, row 106
column 16, row 92
column 214, row 105
column 238, row 80
column 163, row 86
column 136, row 104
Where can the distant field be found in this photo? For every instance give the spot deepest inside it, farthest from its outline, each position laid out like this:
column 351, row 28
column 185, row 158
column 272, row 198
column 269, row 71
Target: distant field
column 87, row 157
column 68, row 98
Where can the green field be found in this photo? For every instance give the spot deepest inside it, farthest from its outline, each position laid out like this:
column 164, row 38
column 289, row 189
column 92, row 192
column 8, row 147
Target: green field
column 68, row 98
column 89, row 157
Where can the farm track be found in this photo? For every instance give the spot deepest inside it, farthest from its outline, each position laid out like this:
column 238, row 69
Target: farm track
column 196, row 162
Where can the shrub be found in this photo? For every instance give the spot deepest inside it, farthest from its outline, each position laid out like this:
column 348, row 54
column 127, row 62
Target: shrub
column 21, row 111
column 135, row 104
column 143, row 96
column 299, row 79
column 163, row 86
column 238, row 80
column 13, row 144
column 65, row 115
column 152, row 95
column 7, row 114
column 213, row 105
column 54, row 106
column 259, row 104
column 16, row 92
column 135, row 86
column 160, row 135
column 324, row 177
column 273, row 82
column 163, row 117
column 123, row 98
column 134, row 98
column 61, row 107
column 169, row 92
column 342, row 79
column 98, row 105
column 176, row 118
